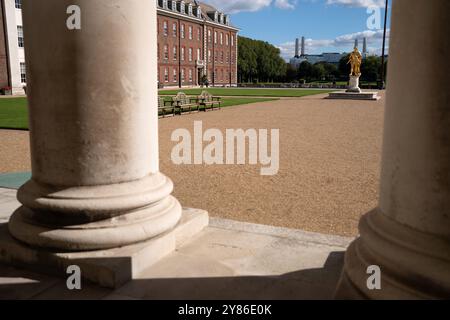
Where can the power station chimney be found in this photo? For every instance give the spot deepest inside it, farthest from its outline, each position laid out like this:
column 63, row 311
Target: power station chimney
column 303, row 46
column 297, row 47
column 365, row 47
column 356, row 43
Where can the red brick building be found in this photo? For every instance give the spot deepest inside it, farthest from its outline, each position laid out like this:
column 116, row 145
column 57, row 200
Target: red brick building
column 195, row 39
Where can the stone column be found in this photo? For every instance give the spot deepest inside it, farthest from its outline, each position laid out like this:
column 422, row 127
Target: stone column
column 408, row 236
column 93, row 128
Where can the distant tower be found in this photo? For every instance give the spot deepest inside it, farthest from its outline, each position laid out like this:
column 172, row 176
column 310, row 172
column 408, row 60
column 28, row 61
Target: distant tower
column 356, row 43
column 365, row 47
column 297, row 47
column 303, row 46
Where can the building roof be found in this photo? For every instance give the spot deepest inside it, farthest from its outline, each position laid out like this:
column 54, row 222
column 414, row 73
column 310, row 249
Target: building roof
column 207, row 12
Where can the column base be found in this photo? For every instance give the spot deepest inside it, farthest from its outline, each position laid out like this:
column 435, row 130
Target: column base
column 414, row 265
column 88, row 218
column 108, row 268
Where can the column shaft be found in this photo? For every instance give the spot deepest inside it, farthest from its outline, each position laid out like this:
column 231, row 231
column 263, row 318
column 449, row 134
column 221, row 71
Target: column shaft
column 408, row 236
column 93, row 127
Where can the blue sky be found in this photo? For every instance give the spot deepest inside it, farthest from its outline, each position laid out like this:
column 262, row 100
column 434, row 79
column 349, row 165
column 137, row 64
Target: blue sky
column 328, row 25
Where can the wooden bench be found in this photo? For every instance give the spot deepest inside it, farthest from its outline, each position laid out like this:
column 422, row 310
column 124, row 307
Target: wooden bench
column 206, row 101
column 165, row 107
column 182, row 102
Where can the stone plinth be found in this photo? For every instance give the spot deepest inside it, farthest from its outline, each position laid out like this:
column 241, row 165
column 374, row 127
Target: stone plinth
column 354, row 92
column 371, row 96
column 354, row 84
column 108, row 268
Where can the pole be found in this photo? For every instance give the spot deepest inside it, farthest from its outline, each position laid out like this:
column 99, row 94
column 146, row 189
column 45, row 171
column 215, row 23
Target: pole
column 382, row 82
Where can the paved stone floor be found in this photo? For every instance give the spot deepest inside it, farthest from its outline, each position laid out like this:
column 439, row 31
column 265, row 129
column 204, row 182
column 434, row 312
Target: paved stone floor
column 229, row 260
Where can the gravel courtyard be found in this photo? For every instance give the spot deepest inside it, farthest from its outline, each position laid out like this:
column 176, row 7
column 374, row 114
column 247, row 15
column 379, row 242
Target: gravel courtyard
column 330, row 152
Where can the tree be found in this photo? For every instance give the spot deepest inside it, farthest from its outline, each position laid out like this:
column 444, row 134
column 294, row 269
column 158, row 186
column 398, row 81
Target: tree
column 291, row 73
column 305, row 71
column 259, row 60
column 344, row 68
column 370, row 69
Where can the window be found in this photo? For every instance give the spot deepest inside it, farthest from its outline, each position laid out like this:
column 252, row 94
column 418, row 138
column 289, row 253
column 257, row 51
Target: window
column 227, row 40
column 23, row 72
column 166, row 52
column 190, row 75
column 190, row 32
column 215, row 37
column 199, row 54
column 209, row 55
column 166, row 75
column 182, row 31
column 175, row 55
column 174, row 29
column 221, row 57
column 190, row 54
column 221, row 38
column 228, row 57
column 198, row 34
column 175, row 75
column 182, row 54
column 209, row 35
column 232, row 41
column 165, row 28
column 182, row 75
column 18, row 4
column 20, row 36
column 215, row 56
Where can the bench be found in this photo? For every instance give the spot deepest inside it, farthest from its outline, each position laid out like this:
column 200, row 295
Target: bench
column 165, row 107
column 206, row 101
column 182, row 102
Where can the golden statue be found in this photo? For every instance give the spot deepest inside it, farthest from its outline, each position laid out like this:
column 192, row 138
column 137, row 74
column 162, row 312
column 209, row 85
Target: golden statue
column 355, row 60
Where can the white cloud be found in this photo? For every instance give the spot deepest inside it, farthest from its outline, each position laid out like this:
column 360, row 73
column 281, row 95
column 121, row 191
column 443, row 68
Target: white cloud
column 359, row 3
column 339, row 44
column 285, row 4
column 234, row 6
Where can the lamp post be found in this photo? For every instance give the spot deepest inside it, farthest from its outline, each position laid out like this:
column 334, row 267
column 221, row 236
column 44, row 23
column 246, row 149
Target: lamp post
column 382, row 83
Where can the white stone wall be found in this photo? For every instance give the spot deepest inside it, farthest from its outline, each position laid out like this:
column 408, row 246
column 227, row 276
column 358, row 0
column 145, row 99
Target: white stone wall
column 16, row 54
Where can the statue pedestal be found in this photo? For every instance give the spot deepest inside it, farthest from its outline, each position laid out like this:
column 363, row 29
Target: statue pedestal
column 354, row 92
column 354, row 84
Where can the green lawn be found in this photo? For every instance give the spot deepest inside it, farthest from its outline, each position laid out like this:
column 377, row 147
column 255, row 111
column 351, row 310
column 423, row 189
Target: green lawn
column 13, row 113
column 225, row 92
column 228, row 102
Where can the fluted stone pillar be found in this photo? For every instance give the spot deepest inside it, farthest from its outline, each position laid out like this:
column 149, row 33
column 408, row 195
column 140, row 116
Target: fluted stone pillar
column 408, row 236
column 95, row 181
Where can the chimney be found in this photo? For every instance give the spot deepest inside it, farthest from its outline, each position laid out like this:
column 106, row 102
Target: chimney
column 365, row 47
column 297, row 47
column 356, row 43
column 303, row 46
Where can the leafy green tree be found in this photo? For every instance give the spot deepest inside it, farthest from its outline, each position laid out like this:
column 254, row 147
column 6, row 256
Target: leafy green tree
column 260, row 61
column 370, row 69
column 291, row 73
column 305, row 71
column 344, row 68
column 318, row 72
